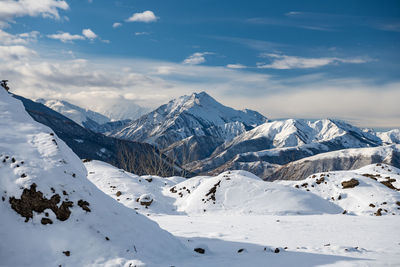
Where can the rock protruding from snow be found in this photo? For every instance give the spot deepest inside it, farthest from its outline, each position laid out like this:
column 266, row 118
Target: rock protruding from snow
column 240, row 192
column 370, row 190
column 346, row 159
column 53, row 214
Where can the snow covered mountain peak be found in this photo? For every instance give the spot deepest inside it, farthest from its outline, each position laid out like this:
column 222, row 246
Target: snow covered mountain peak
column 295, row 132
column 197, row 114
column 73, row 112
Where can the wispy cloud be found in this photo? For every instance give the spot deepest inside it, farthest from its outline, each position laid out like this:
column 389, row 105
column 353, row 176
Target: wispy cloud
column 289, row 22
column 284, row 62
column 141, row 33
column 18, row 39
column 196, row 58
column 236, row 66
column 259, row 45
column 116, row 25
column 65, row 37
column 146, row 16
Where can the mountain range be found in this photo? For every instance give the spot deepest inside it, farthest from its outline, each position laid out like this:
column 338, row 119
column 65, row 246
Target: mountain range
column 205, row 137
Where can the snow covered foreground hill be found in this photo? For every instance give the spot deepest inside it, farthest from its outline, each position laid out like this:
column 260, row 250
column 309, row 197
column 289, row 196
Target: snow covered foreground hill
column 51, row 215
column 241, row 220
column 240, row 192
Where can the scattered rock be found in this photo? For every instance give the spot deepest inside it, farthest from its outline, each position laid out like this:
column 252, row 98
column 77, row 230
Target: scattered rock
column 372, row 205
column 378, row 212
column 213, row 190
column 173, row 190
column 389, row 185
column 318, row 181
column 118, row 193
column 145, row 200
column 200, row 250
column 45, row 221
column 84, row 205
column 67, row 253
column 32, row 200
column 350, row 184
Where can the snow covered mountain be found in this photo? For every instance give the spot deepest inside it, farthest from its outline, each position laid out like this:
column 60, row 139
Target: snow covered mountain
column 197, row 114
column 191, row 115
column 51, row 214
column 390, row 137
column 346, row 159
column 77, row 114
column 132, row 156
column 120, row 111
column 281, row 142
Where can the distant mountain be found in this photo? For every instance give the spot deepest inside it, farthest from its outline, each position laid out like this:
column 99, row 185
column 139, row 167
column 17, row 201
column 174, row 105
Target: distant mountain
column 132, row 156
column 121, row 111
column 390, row 137
column 77, row 114
column 281, row 142
column 197, row 115
column 346, row 159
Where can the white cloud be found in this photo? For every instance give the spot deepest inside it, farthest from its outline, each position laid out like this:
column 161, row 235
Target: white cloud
column 89, row 34
column 146, row 16
column 17, row 39
column 116, row 24
column 196, row 58
column 292, row 62
column 236, row 66
column 152, row 83
column 141, row 33
column 15, row 53
column 33, row 8
column 66, row 37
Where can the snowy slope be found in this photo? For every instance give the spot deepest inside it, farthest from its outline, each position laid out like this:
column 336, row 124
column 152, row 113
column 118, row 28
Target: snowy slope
column 281, row 142
column 240, row 192
column 196, row 114
column 112, row 180
column 378, row 188
column 390, row 137
column 288, row 133
column 237, row 192
column 52, row 215
column 73, row 112
column 345, row 159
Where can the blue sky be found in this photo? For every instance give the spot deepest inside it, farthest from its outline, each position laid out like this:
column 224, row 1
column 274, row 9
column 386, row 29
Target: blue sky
column 282, row 58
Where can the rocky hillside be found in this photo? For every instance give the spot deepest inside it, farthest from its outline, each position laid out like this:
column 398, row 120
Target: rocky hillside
column 52, row 215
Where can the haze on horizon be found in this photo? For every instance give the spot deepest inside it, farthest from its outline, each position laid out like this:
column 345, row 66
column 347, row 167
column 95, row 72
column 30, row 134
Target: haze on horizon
column 285, row 59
